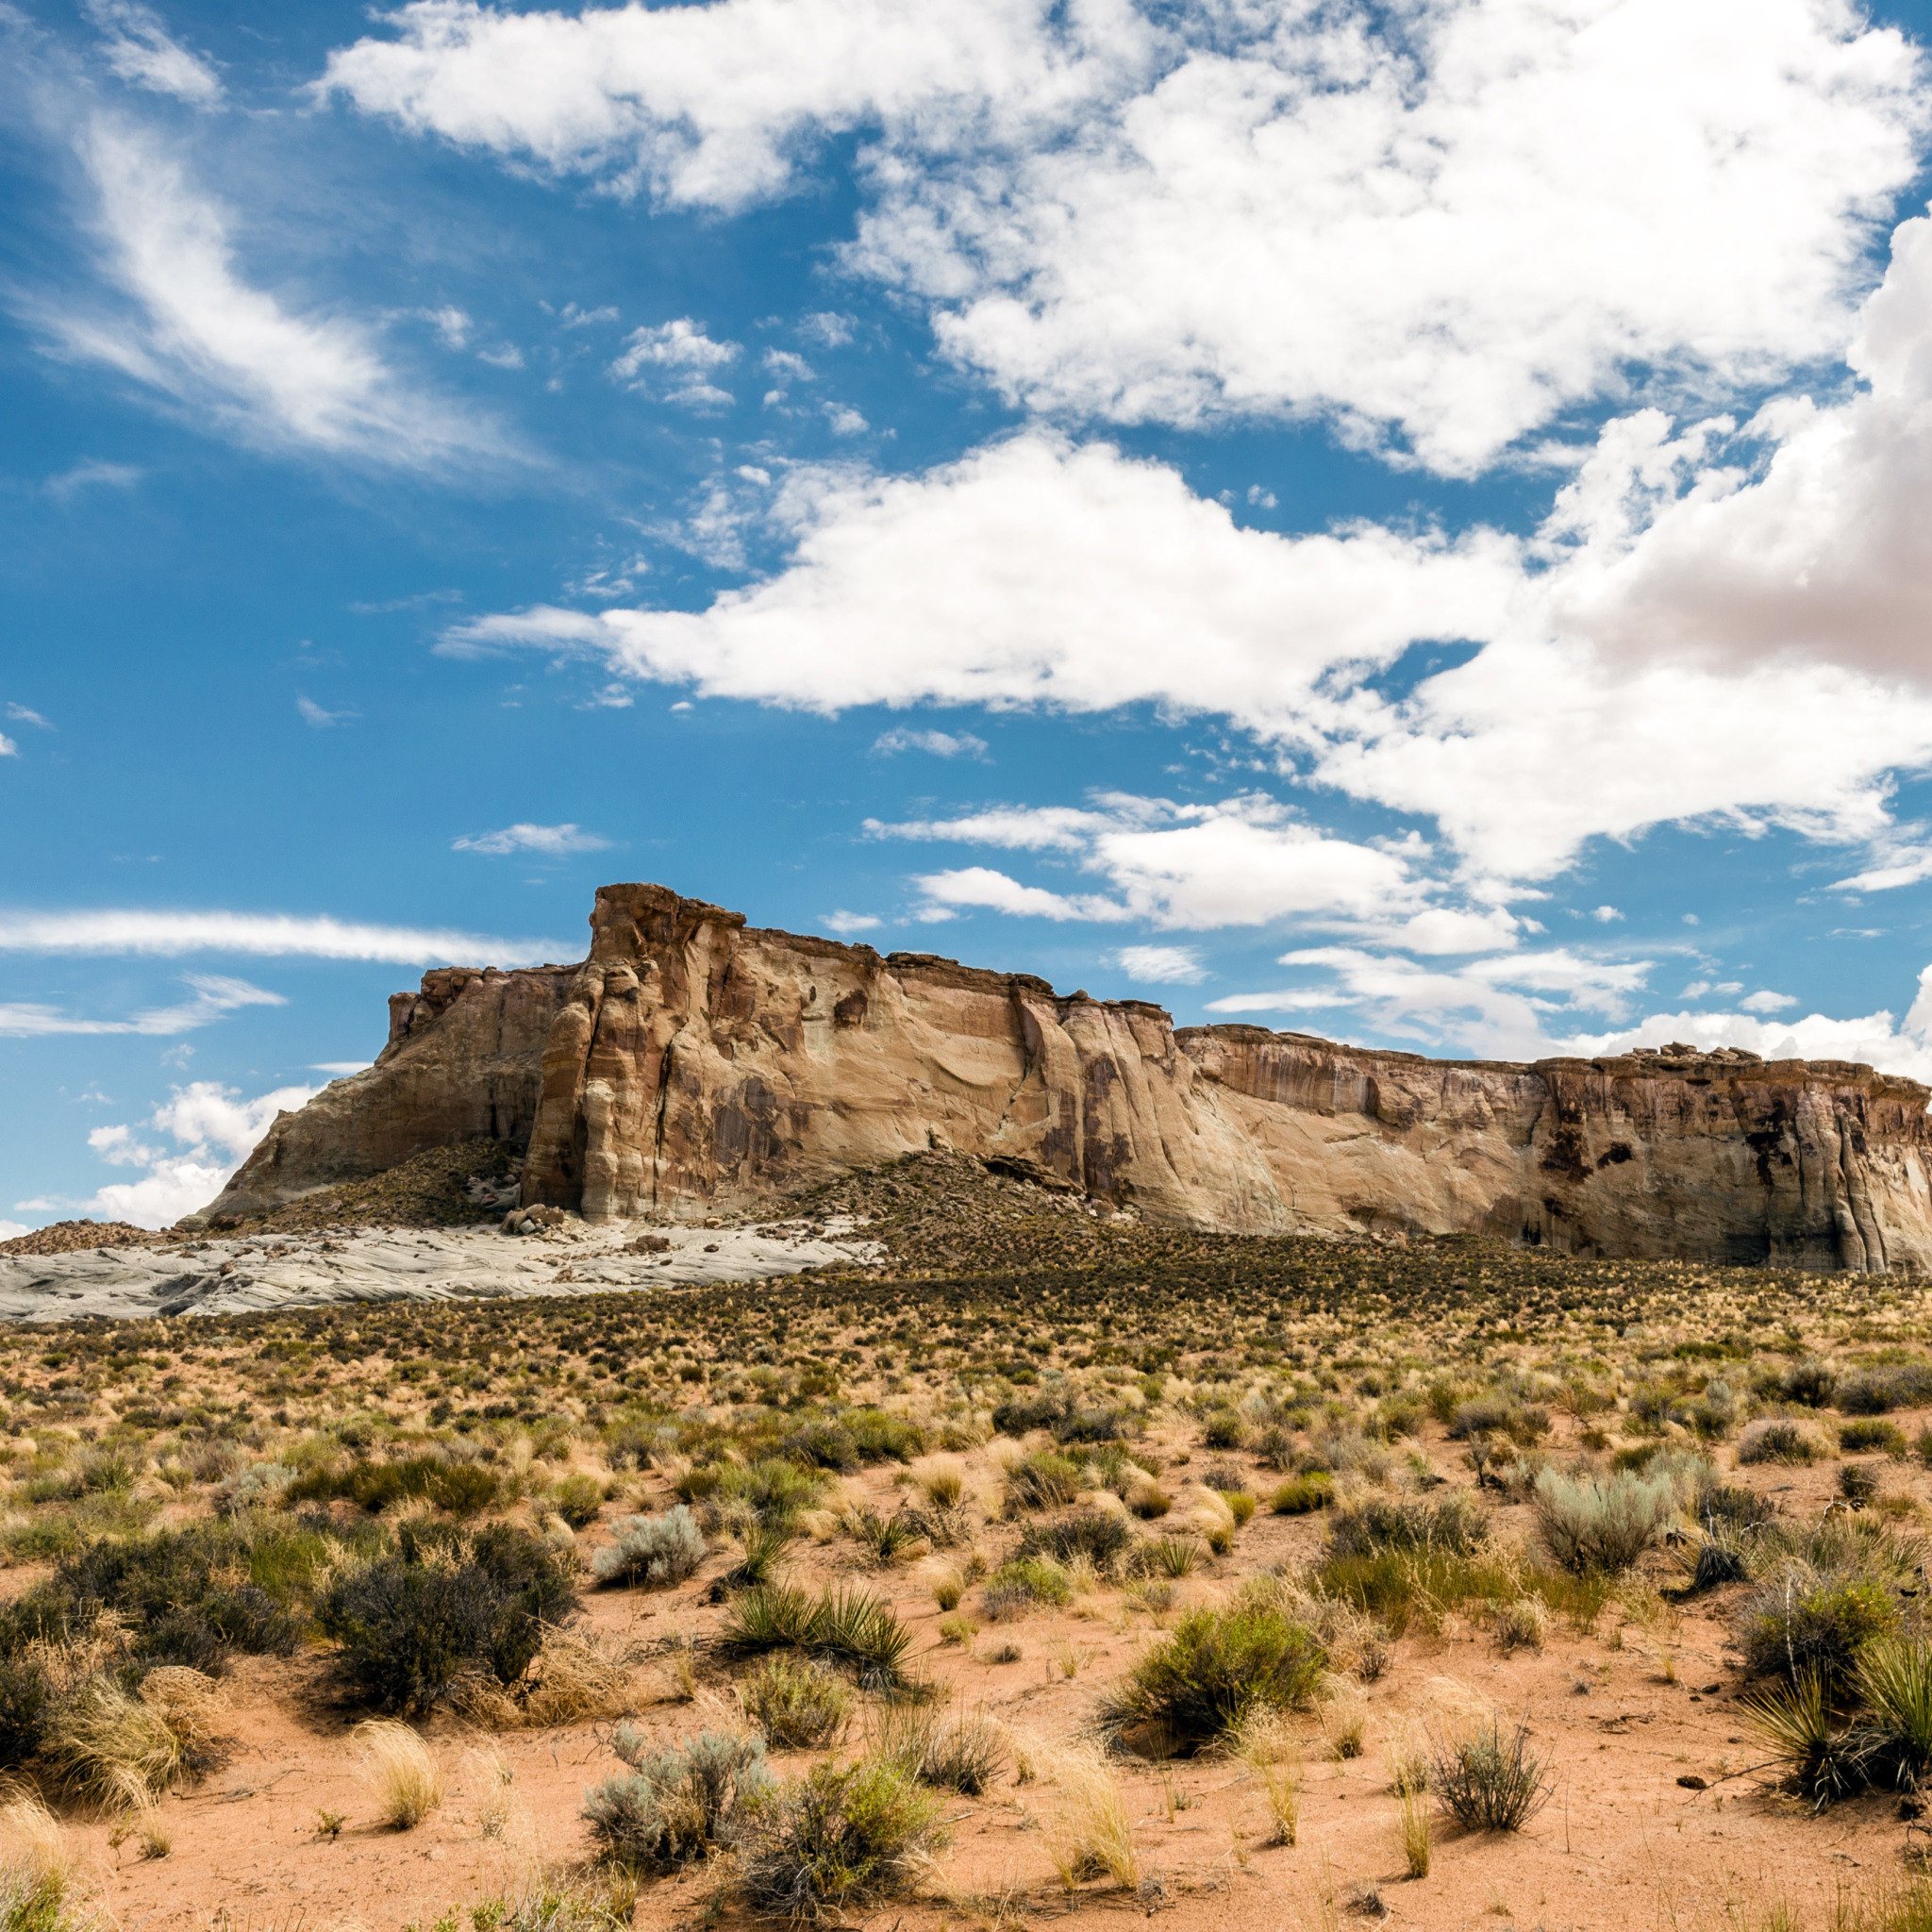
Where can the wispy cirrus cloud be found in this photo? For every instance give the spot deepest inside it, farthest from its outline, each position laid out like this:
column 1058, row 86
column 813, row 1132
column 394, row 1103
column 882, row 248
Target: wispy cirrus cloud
column 214, row 998
column 552, row 842
column 170, row 934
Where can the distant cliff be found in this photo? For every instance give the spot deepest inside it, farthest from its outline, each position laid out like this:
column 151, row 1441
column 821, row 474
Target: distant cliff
column 692, row 1065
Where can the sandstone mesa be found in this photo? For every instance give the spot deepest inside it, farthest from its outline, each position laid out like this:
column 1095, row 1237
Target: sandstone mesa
column 694, row 1066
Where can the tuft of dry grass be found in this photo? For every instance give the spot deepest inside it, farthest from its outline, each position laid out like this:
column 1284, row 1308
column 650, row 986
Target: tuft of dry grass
column 572, row 1680
column 1088, row 1833
column 1413, row 1824
column 124, row 1751
column 401, row 1772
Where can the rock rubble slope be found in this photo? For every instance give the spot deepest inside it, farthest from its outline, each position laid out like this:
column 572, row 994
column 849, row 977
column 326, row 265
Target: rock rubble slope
column 693, row 1066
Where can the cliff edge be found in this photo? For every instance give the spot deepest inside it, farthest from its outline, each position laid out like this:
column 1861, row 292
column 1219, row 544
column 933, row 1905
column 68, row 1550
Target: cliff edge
column 692, row 1065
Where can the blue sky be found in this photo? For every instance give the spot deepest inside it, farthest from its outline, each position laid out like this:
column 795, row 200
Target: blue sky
column 1396, row 522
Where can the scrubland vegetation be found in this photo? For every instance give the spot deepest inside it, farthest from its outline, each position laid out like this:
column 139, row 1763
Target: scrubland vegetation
column 1050, row 1522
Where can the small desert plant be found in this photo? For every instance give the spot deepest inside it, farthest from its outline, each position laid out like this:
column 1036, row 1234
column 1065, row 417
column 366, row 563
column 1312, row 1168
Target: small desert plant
column 1894, row 1681
column 1018, row 1587
column 1872, row 1432
column 1413, row 1823
column 1217, row 1666
column 1104, row 1539
column 1794, row 1719
column 1874, row 1391
column 1301, row 1494
column 798, row 1704
column 1088, row 1833
column 401, row 1773
column 944, row 1481
column 1800, row 1623
column 651, row 1550
column 947, row 1586
column 839, row 1838
column 1601, row 1523
column 856, row 1632
column 1489, row 1778
column 1776, row 1438
column 1456, row 1526
column 1044, row 1481
column 1147, row 1499
column 1522, row 1624
column 672, row 1805
column 578, row 1498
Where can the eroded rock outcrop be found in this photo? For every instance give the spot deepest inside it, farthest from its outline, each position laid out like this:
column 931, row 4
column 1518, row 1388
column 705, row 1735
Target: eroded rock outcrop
column 692, row 1065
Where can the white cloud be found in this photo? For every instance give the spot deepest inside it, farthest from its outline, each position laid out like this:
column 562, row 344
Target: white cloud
column 1904, row 866
column 313, row 714
column 682, row 348
column 1607, row 915
column 942, row 744
column 338, row 1069
column 551, row 840
column 716, row 106
column 214, row 997
column 7, row 749
column 845, row 420
column 979, row 887
column 846, row 923
column 9, row 1230
column 270, row 934
column 214, row 1128
column 1162, row 965
column 786, row 366
column 90, row 473
column 1033, row 572
column 1015, row 829
column 21, row 715
column 224, row 352
column 1453, row 220
column 139, row 49
column 1768, row 1002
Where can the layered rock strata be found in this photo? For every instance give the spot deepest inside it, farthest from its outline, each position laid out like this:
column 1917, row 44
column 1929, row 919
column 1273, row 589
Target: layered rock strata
column 692, row 1065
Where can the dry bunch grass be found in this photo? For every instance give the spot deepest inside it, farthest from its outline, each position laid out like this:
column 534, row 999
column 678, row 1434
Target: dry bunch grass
column 401, row 1772
column 1088, row 1832
column 571, row 1680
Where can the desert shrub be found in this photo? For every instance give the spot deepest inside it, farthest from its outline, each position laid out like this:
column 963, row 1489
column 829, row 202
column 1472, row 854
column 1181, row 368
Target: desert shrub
column 1822, row 1761
column 579, row 1499
column 409, row 1622
column 824, row 1445
column 1030, row 1409
column 963, row 1752
column 1875, row 1391
column 1777, row 1438
column 1800, row 1623
column 798, row 1704
column 461, row 1487
column 882, row 1438
column 840, row 1837
column 1301, row 1494
column 1808, row 1382
column 1720, row 1559
column 1017, row 1587
column 672, row 1805
column 1218, row 1665
column 1456, row 1525
column 1523, row 1424
column 1091, row 1426
column 1104, row 1539
column 1489, row 1779
column 1147, row 1499
column 1872, row 1432
column 1223, row 1429
column 774, row 1488
column 118, row 1747
column 651, row 1550
column 1044, row 1481
column 847, row 1628
column 1605, row 1524
column 1858, row 1483
column 1893, row 1683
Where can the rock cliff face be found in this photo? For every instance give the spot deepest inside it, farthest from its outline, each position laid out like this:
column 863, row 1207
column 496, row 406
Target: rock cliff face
column 692, row 1065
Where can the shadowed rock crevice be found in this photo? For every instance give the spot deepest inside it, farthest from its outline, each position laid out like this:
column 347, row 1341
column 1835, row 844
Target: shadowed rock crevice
column 692, row 1065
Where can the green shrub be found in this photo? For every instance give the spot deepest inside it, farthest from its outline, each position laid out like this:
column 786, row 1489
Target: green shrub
column 409, row 1623
column 777, row 1489
column 1893, row 1682
column 1457, row 1525
column 1489, row 1779
column 1044, row 1481
column 579, row 1499
column 1104, row 1539
column 672, row 1806
column 1019, row 1586
column 1301, row 1494
column 462, row 1487
column 1800, row 1623
column 1875, row 1390
column 1587, row 1524
column 882, row 1438
column 856, row 1632
column 797, row 1703
column 1091, row 1426
column 1031, row 1409
column 1808, row 1382
column 1776, row 1438
column 651, row 1550
column 840, row 1839
column 1872, row 1433
column 824, row 1445
column 1218, row 1665
column 1223, row 1429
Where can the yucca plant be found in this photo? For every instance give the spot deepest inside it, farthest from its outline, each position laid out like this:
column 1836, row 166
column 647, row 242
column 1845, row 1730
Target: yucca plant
column 1820, row 1762
column 1894, row 1683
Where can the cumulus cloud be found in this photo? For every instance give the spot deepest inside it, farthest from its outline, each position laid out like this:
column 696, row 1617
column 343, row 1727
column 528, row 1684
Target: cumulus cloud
column 220, row 351
column 719, row 106
column 680, row 358
column 848, row 925
column 272, row 934
column 213, row 997
column 554, row 842
column 213, row 1129
column 9, row 749
column 1162, row 965
column 140, row 50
